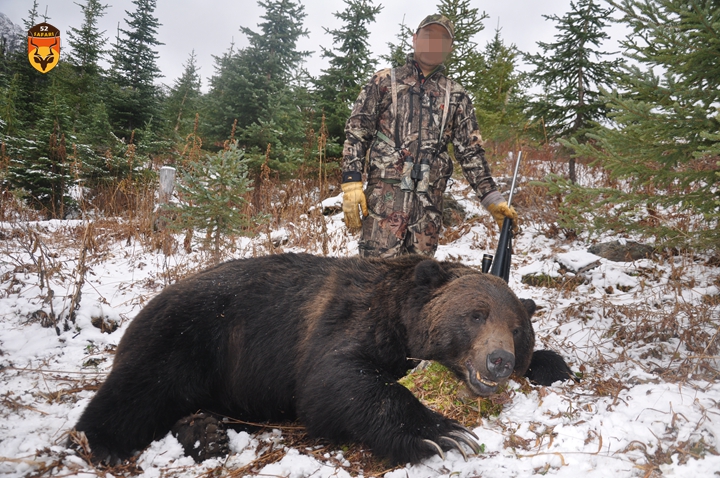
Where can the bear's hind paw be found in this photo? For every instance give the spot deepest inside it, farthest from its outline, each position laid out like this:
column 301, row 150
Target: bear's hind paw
column 202, row 436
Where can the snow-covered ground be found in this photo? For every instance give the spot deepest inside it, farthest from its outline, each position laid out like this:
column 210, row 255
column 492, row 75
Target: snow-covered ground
column 643, row 334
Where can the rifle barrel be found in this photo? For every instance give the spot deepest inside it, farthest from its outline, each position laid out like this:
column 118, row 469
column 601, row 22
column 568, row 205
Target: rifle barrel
column 514, row 179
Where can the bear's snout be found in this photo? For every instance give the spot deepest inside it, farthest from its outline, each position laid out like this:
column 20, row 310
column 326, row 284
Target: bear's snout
column 500, row 364
column 484, row 378
column 490, row 365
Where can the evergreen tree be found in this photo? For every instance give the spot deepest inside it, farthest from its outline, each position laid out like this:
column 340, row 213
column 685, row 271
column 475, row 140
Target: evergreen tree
column 31, row 86
column 262, row 87
column 663, row 147
column 183, row 100
column 397, row 55
column 86, row 43
column 32, row 18
column 89, row 112
column 571, row 72
column 273, row 51
column 39, row 167
column 213, row 192
column 351, row 64
column 218, row 105
column 134, row 98
column 4, row 67
column 499, row 95
column 9, row 107
column 465, row 64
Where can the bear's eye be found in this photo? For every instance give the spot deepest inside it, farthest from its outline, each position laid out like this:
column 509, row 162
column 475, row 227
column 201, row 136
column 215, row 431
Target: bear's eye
column 516, row 332
column 478, row 316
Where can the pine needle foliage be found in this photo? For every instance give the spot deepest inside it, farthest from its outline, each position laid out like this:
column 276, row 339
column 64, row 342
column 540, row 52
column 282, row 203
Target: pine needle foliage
column 662, row 152
column 398, row 52
column 213, row 191
column 499, row 93
column 571, row 71
column 133, row 95
column 466, row 63
column 350, row 64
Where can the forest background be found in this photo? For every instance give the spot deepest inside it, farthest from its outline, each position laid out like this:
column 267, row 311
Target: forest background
column 85, row 139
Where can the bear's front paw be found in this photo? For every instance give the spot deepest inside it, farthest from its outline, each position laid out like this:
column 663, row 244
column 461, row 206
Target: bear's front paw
column 96, row 454
column 454, row 439
column 202, row 436
column 548, row 367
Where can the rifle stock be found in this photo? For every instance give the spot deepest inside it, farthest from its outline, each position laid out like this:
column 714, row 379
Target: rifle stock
column 503, row 255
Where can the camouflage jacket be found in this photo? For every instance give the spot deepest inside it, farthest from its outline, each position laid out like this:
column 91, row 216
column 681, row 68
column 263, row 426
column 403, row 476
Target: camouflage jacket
column 419, row 114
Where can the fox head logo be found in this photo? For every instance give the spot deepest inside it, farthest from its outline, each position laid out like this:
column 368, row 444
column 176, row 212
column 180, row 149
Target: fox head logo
column 43, row 47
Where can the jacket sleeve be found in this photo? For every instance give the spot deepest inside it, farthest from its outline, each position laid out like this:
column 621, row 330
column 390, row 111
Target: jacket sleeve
column 360, row 130
column 467, row 143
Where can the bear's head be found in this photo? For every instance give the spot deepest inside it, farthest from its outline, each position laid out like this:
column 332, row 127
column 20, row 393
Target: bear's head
column 473, row 324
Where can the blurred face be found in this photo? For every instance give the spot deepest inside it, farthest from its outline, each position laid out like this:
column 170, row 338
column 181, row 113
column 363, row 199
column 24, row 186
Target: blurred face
column 432, row 46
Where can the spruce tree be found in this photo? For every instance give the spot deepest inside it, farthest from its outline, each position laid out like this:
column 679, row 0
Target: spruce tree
column 465, row 64
column 662, row 150
column 218, row 106
column 86, row 42
column 36, row 131
column 212, row 191
column 31, row 86
column 183, row 100
column 133, row 96
column 86, row 84
column 351, row 64
column 9, row 107
column 273, row 50
column 263, row 86
column 398, row 52
column 39, row 167
column 571, row 70
column 500, row 93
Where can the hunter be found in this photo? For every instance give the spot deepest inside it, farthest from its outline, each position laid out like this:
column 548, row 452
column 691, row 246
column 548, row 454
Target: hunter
column 402, row 122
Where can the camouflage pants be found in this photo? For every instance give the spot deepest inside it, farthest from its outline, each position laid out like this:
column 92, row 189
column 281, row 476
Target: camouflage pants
column 400, row 222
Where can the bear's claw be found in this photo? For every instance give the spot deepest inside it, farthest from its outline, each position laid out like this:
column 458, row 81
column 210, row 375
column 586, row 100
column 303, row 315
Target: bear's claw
column 455, row 439
column 453, row 443
column 473, row 445
column 437, row 448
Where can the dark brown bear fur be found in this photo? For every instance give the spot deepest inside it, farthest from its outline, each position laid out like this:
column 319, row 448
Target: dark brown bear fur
column 321, row 340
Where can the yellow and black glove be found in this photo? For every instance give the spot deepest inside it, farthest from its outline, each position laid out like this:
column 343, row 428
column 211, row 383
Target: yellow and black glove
column 353, row 196
column 498, row 207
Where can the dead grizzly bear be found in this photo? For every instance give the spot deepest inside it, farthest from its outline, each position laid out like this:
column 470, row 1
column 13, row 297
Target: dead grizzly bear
column 320, row 340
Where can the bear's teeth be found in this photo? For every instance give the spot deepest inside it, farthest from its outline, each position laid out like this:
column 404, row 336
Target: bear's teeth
column 483, row 381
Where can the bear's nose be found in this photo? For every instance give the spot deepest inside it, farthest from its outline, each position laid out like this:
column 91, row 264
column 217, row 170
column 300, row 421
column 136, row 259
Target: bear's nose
column 500, row 363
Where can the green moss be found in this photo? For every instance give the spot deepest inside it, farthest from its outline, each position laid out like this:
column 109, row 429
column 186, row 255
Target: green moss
column 439, row 389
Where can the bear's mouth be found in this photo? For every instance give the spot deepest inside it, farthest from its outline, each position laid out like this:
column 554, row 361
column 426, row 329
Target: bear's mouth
column 482, row 386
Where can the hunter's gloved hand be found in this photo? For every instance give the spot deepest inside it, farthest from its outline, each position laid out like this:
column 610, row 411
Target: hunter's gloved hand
column 353, row 196
column 498, row 207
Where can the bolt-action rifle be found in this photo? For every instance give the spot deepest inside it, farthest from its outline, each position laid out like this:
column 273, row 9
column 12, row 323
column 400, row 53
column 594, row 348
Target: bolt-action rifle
column 501, row 262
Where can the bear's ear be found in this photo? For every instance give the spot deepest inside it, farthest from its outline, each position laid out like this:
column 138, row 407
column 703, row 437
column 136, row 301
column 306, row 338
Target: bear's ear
column 428, row 273
column 529, row 305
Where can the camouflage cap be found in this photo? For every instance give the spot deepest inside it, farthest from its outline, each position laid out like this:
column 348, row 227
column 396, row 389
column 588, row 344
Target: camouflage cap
column 440, row 20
